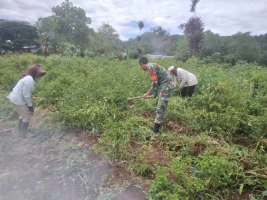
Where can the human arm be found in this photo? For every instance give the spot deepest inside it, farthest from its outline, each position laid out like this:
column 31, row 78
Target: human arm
column 27, row 90
column 12, row 86
column 148, row 95
column 181, row 75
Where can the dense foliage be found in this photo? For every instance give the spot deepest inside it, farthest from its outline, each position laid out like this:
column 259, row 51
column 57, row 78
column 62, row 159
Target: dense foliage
column 193, row 29
column 14, row 35
column 67, row 32
column 230, row 101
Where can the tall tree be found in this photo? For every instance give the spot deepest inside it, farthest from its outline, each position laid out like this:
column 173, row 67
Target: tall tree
column 157, row 41
column 71, row 23
column 171, row 44
column 211, row 43
column 140, row 25
column 46, row 28
column 262, row 41
column 105, row 41
column 14, row 35
column 193, row 6
column 243, row 46
column 193, row 29
column 182, row 52
column 160, row 38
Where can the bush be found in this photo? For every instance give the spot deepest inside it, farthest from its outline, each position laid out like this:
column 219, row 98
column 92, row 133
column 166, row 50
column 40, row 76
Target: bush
column 134, row 54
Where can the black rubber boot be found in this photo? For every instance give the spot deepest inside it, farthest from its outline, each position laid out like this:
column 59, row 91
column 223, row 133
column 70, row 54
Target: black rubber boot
column 155, row 131
column 148, row 136
column 156, row 127
column 20, row 121
column 24, row 129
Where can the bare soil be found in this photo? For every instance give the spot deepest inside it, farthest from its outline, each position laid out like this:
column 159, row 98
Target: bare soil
column 61, row 167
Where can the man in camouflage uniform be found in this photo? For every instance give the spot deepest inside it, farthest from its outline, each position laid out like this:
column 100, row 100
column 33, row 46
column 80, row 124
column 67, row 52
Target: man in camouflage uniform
column 162, row 87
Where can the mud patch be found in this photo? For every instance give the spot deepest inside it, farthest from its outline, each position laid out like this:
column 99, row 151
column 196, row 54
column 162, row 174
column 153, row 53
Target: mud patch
column 243, row 141
column 179, row 127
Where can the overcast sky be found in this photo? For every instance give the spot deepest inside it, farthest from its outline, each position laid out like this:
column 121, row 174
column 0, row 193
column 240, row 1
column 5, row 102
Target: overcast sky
column 225, row 17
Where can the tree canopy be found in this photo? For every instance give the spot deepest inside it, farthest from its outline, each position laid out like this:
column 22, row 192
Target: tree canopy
column 14, row 35
column 67, row 31
column 71, row 23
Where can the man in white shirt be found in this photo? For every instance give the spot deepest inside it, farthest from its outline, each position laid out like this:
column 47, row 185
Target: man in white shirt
column 187, row 79
column 20, row 97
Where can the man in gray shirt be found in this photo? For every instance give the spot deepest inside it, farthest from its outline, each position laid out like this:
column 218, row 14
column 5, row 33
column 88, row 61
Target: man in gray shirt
column 187, row 79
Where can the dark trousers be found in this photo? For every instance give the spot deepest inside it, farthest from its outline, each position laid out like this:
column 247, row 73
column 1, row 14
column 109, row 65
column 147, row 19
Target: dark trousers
column 187, row 91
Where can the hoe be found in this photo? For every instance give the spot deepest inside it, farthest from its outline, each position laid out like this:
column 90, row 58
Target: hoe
column 130, row 100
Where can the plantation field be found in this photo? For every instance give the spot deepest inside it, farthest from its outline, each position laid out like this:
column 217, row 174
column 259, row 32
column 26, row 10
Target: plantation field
column 211, row 146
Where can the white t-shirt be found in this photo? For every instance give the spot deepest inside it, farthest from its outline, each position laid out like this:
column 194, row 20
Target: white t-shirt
column 22, row 92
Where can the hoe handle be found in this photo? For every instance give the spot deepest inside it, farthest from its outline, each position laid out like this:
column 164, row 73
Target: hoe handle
column 140, row 97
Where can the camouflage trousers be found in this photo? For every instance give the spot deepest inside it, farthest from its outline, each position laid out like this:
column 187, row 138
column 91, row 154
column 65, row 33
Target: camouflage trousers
column 162, row 103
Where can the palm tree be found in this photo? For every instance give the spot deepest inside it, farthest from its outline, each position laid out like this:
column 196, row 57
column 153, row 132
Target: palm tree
column 140, row 25
column 193, row 6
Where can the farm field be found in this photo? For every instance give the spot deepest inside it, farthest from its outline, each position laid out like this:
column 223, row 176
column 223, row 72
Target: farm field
column 211, row 146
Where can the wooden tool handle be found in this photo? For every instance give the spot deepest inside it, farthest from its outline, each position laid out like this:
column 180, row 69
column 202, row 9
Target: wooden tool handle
column 140, row 97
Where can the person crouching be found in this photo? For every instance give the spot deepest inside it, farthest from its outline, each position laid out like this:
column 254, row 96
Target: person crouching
column 187, row 79
column 20, row 97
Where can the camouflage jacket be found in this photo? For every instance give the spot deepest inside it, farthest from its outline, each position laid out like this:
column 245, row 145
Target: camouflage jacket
column 160, row 77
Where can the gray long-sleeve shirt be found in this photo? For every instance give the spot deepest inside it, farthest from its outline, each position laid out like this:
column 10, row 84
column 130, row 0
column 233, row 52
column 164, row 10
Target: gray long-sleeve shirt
column 22, row 92
column 186, row 78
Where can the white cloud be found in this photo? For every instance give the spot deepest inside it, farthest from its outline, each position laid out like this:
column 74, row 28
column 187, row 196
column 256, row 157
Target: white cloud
column 225, row 17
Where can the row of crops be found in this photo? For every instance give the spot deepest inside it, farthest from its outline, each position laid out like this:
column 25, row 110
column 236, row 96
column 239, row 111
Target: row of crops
column 229, row 102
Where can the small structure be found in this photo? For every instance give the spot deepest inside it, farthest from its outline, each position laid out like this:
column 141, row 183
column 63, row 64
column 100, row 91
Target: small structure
column 152, row 56
column 29, row 49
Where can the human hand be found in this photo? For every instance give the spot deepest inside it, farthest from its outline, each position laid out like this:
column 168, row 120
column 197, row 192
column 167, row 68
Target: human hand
column 145, row 95
column 31, row 109
column 12, row 86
